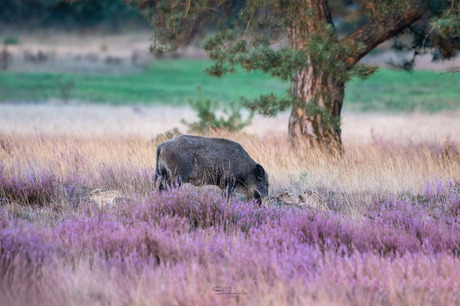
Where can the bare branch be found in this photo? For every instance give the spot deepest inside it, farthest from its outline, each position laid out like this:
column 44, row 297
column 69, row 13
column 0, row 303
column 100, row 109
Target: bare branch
column 189, row 2
column 247, row 27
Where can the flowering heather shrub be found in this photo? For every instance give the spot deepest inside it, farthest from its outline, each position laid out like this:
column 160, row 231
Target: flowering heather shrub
column 207, row 209
column 441, row 195
column 309, row 249
column 393, row 226
column 23, row 248
column 30, row 189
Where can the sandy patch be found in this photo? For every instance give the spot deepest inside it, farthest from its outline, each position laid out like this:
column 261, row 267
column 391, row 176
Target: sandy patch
column 90, row 120
column 88, row 52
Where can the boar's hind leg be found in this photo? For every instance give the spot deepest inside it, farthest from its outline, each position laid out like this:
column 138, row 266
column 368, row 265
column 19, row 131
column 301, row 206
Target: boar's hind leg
column 179, row 180
column 168, row 181
column 164, row 180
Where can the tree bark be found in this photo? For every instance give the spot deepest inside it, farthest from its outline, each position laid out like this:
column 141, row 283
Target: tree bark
column 315, row 118
column 315, row 115
column 374, row 32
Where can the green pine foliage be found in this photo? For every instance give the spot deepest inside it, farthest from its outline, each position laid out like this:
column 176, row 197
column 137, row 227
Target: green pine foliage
column 208, row 120
column 267, row 105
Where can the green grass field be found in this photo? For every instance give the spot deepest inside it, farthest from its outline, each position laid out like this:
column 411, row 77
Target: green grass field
column 387, row 90
column 174, row 81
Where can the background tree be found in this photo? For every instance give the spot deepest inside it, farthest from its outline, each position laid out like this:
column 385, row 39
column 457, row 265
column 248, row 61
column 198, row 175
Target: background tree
column 298, row 41
column 111, row 15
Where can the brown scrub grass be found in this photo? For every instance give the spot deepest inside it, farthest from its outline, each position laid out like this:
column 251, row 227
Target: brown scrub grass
column 364, row 171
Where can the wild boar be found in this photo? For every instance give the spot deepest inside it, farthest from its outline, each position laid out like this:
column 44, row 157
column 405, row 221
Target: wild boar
column 210, row 161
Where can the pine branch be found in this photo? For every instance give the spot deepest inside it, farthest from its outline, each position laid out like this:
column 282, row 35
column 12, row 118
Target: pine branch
column 371, row 34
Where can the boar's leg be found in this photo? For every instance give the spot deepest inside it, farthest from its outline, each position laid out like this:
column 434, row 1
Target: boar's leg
column 168, row 180
column 163, row 183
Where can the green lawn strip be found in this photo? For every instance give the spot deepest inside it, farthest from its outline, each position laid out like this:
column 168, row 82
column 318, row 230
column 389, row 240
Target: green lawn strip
column 425, row 91
column 164, row 82
column 173, row 82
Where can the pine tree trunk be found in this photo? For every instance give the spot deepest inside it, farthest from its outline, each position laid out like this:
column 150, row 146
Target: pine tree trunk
column 315, row 118
column 315, row 115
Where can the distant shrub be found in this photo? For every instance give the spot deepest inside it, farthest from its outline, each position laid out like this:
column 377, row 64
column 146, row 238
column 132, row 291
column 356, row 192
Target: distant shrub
column 65, row 87
column 208, row 120
column 5, row 59
column 169, row 134
column 11, row 41
column 48, row 13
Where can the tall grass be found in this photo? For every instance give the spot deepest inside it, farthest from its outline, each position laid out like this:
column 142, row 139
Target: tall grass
column 388, row 235
column 381, row 166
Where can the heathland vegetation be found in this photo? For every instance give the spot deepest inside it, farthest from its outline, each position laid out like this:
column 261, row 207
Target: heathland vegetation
column 378, row 225
column 81, row 220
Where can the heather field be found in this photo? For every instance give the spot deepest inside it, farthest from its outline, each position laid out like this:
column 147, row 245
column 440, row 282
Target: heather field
column 82, row 224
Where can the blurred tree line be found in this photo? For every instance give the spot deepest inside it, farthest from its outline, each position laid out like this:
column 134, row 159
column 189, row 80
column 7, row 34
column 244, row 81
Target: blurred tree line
column 112, row 15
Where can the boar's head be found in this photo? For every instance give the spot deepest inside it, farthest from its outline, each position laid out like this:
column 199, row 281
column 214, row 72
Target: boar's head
column 256, row 184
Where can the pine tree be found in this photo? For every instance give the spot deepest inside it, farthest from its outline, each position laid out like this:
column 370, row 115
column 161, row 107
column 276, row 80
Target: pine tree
column 298, row 41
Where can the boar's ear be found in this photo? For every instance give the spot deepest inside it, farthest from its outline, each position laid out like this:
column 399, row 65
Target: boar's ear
column 259, row 172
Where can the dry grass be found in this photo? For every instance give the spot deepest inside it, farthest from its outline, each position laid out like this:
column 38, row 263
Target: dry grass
column 367, row 169
column 381, row 167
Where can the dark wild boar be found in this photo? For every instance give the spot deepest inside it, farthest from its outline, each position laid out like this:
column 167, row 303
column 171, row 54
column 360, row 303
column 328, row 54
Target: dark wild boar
column 210, row 161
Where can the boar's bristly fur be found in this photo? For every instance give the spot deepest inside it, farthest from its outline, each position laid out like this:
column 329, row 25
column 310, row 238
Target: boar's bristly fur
column 210, row 161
